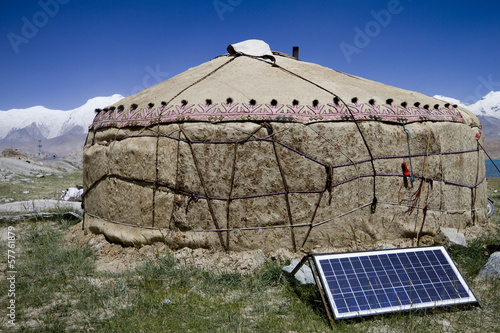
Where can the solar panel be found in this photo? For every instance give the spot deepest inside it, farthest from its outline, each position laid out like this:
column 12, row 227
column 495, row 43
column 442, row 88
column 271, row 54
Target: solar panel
column 373, row 282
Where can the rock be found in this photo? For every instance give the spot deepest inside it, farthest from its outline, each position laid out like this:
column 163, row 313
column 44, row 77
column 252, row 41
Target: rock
column 13, row 153
column 446, row 325
column 386, row 246
column 72, row 194
column 72, row 216
column 39, row 176
column 26, row 180
column 304, row 275
column 259, row 257
column 453, row 237
column 491, row 271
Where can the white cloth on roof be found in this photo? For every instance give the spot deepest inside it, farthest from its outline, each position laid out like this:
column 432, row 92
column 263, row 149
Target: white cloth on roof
column 253, row 48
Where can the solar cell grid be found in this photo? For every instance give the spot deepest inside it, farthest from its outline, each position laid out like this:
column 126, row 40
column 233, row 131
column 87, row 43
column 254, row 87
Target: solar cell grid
column 366, row 283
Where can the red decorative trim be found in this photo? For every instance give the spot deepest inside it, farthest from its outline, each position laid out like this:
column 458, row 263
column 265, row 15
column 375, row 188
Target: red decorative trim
column 286, row 113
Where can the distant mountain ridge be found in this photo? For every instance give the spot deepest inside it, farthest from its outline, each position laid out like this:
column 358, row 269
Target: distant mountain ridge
column 488, row 106
column 63, row 132
column 52, row 123
column 22, row 128
column 487, row 110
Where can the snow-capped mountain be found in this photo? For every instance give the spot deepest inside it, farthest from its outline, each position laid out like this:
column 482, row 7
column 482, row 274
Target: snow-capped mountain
column 38, row 122
column 488, row 106
column 84, row 115
column 60, row 132
column 487, row 111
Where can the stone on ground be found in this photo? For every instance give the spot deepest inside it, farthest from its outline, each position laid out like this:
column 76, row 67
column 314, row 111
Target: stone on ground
column 304, row 274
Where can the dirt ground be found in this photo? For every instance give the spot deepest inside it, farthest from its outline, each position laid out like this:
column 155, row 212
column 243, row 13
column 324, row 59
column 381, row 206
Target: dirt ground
column 117, row 258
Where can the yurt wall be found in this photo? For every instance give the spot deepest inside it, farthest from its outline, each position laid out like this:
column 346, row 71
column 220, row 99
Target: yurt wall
column 247, row 152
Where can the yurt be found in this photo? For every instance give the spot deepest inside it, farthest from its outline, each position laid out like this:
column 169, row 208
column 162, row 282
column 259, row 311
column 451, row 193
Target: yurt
column 258, row 150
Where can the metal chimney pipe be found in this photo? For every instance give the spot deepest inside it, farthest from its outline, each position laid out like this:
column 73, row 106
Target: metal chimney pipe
column 296, row 52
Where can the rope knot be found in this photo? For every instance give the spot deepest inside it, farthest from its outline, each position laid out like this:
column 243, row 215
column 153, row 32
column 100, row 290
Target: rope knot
column 195, row 197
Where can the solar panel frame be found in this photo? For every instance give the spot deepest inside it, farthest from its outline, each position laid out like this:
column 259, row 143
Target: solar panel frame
column 382, row 281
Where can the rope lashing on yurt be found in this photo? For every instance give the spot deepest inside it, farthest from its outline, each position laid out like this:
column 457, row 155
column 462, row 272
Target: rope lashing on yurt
column 205, row 188
column 285, row 185
column 214, row 219
column 230, row 194
column 306, row 156
column 311, row 225
column 429, row 186
column 230, row 198
column 337, row 98
column 318, row 191
column 191, row 193
column 408, row 136
column 290, row 148
column 236, row 229
column 280, row 226
column 473, row 192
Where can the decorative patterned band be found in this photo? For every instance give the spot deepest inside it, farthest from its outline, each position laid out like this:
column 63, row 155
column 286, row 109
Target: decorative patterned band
column 267, row 112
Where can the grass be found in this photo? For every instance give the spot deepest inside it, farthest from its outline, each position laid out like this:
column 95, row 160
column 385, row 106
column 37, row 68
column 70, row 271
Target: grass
column 47, row 187
column 61, row 291
column 58, row 289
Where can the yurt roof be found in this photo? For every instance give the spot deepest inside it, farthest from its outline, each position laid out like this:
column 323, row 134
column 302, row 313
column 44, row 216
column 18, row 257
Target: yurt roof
column 270, row 86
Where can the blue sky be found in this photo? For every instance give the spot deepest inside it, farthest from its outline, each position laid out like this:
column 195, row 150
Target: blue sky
column 60, row 53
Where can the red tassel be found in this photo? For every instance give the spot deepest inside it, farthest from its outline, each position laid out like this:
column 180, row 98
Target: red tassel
column 405, row 169
column 406, row 173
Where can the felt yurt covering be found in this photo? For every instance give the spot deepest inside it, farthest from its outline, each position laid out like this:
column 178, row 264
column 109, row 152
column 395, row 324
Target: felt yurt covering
column 258, row 150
